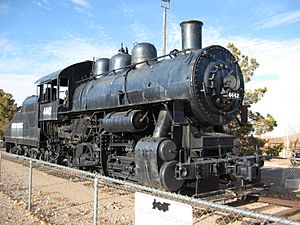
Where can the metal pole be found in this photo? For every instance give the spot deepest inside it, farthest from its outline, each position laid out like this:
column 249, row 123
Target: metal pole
column 95, row 200
column 287, row 145
column 0, row 164
column 164, row 40
column 30, row 185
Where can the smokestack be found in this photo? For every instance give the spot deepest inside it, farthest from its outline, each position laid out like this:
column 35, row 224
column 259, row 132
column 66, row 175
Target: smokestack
column 191, row 34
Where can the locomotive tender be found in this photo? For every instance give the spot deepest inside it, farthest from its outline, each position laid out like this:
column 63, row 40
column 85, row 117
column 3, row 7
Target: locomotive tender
column 153, row 120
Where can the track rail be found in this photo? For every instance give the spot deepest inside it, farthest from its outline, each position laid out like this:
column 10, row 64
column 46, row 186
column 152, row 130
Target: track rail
column 292, row 207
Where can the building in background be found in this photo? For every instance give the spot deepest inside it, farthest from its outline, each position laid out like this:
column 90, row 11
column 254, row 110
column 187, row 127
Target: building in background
column 288, row 142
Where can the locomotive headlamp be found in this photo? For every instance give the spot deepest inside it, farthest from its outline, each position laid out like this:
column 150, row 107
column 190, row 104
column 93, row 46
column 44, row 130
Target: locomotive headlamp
column 231, row 81
column 221, row 77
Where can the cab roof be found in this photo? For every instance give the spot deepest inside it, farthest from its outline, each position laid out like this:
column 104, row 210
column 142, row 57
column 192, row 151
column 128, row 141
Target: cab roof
column 77, row 69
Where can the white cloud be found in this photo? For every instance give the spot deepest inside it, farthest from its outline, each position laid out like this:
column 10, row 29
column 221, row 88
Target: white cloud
column 4, row 8
column 43, row 4
column 76, row 49
column 280, row 19
column 10, row 55
column 173, row 35
column 139, row 31
column 13, row 64
column 81, row 3
column 6, row 46
column 265, row 9
column 19, row 85
column 83, row 11
column 82, row 7
column 18, row 74
column 127, row 11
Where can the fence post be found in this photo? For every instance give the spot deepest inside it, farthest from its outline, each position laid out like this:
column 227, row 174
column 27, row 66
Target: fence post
column 30, row 185
column 95, row 200
column 0, row 164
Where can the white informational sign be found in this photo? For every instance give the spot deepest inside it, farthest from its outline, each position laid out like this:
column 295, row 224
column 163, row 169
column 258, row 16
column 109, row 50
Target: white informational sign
column 151, row 210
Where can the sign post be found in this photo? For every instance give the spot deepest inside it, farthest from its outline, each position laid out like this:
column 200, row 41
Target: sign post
column 30, row 185
column 0, row 164
column 151, row 210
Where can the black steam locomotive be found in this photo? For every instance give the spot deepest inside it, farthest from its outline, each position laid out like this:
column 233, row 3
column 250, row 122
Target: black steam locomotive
column 154, row 120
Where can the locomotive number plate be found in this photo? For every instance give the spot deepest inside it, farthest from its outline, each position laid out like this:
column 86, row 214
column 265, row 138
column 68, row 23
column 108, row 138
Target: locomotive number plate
column 47, row 111
column 234, row 95
column 151, row 210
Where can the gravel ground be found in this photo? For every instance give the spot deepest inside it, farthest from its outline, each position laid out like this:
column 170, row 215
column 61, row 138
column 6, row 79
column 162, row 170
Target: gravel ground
column 57, row 200
column 275, row 173
column 14, row 212
column 65, row 200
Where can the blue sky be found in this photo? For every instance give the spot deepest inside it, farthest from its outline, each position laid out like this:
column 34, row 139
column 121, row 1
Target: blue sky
column 41, row 36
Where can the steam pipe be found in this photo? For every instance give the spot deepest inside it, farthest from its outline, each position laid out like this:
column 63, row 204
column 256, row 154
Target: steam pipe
column 163, row 124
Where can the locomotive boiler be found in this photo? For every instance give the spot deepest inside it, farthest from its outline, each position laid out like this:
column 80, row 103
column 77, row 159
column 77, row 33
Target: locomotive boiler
column 153, row 120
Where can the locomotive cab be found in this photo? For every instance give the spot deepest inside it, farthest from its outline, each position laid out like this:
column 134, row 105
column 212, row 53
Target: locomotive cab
column 56, row 90
column 48, row 98
column 53, row 97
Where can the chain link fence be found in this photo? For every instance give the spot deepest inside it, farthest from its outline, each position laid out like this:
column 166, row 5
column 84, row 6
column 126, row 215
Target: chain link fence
column 282, row 177
column 59, row 195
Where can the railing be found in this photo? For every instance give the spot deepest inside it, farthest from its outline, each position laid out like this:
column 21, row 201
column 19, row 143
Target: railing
column 204, row 211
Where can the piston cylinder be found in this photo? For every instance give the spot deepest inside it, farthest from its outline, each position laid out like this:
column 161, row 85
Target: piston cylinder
column 130, row 121
column 167, row 150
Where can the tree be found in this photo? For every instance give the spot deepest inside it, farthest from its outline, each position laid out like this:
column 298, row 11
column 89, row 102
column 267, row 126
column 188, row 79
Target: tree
column 8, row 108
column 293, row 137
column 274, row 150
column 257, row 123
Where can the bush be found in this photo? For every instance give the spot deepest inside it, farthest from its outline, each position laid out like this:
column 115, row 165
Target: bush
column 274, row 150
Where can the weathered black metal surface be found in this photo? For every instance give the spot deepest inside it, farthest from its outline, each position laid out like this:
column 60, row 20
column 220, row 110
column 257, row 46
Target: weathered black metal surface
column 119, row 61
column 147, row 163
column 23, row 129
column 205, row 78
column 101, row 66
column 129, row 121
column 142, row 53
column 153, row 171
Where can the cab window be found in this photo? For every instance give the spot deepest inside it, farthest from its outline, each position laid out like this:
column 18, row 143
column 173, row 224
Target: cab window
column 54, row 90
column 64, row 92
column 48, row 91
column 45, row 92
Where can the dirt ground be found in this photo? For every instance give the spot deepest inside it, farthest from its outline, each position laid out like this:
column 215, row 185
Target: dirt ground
column 57, row 200
column 275, row 173
column 66, row 200
column 14, row 212
column 278, row 162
